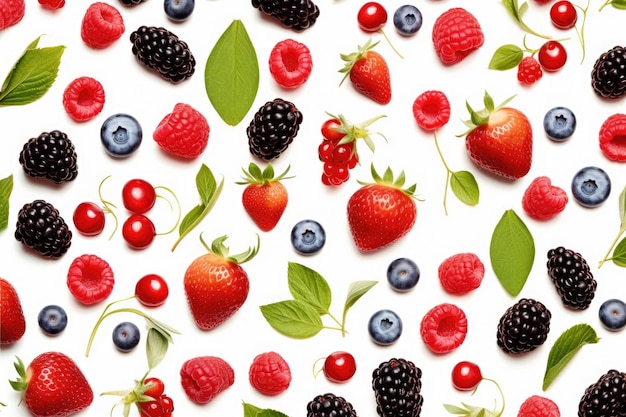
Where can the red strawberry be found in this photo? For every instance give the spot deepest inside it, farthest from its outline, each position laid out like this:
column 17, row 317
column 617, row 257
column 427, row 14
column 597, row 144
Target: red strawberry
column 216, row 285
column 265, row 197
column 500, row 139
column 204, row 377
column 52, row 385
column 382, row 212
column 456, row 33
column 12, row 322
column 368, row 72
column 11, row 12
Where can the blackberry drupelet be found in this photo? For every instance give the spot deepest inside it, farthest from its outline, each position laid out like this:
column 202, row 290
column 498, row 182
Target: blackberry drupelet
column 329, row 405
column 397, row 384
column 273, row 128
column 295, row 14
column 50, row 155
column 162, row 51
column 608, row 77
column 606, row 397
column 524, row 326
column 41, row 228
column 572, row 278
column 131, row 3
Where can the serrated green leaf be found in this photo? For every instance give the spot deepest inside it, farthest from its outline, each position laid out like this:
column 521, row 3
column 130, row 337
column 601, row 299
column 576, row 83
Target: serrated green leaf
column 293, row 318
column 309, row 286
column 465, row 188
column 250, row 410
column 506, row 57
column 231, row 74
column 6, row 188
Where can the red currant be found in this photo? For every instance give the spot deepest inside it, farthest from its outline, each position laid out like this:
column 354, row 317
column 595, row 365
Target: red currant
column 330, row 132
column 552, row 56
column 168, row 405
column 339, row 366
column 151, row 408
column 325, row 151
column 563, row 14
column 342, row 153
column 138, row 231
column 466, row 376
column 89, row 219
column 151, row 290
column 156, row 389
column 372, row 16
column 138, row 196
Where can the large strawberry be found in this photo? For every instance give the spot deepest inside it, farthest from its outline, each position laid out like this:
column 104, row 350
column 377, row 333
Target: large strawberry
column 500, row 139
column 381, row 212
column 265, row 197
column 52, row 386
column 216, row 285
column 12, row 322
column 369, row 73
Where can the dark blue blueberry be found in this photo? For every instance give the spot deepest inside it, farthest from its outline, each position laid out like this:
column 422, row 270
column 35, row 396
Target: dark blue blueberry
column 52, row 320
column 121, row 135
column 385, row 327
column 559, row 123
column 407, row 19
column 612, row 314
column 126, row 336
column 403, row 274
column 308, row 237
column 591, row 186
column 178, row 10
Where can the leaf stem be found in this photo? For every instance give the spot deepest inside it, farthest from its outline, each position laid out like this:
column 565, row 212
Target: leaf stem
column 448, row 173
column 607, row 256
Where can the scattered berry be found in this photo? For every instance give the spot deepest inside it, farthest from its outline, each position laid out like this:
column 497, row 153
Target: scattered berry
column 443, row 328
column 559, row 123
column 456, row 33
column 52, row 319
column 466, row 376
column 52, row 4
column 612, row 134
column 13, row 323
column 612, row 314
column 11, row 12
column 329, row 404
column 204, row 377
column 308, row 237
column 151, row 290
column 552, row 56
column 102, row 25
column 605, row 397
column 529, row 70
column 89, row 218
column 571, row 277
column 126, row 336
column 385, row 327
column 609, row 73
column 563, row 14
column 121, row 135
column 298, row 15
column 138, row 196
column 153, row 387
column 542, row 200
column 179, row 10
column 368, row 72
column 397, row 385
column 431, row 110
column 339, row 367
column 591, row 186
column 372, row 17
column 51, row 155
column 538, row 406
column 407, row 19
column 83, row 98
column 131, row 3
column 273, row 128
column 41, row 228
column 90, row 279
column 523, row 327
column 269, row 373
column 183, row 133
column 461, row 273
column 138, row 231
column 403, row 274
column 290, row 63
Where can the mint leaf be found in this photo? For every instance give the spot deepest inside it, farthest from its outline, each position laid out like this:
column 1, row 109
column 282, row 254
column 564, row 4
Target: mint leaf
column 309, row 286
column 506, row 57
column 293, row 318
column 465, row 188
column 6, row 188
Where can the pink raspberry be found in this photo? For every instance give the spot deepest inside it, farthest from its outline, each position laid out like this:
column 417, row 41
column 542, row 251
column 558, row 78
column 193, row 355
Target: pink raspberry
column 11, row 12
column 183, row 133
column 101, row 26
column 290, row 63
column 431, row 110
column 529, row 71
column 613, row 137
column 52, row 4
column 269, row 373
column 538, row 406
column 83, row 98
column 542, row 200
column 443, row 328
column 90, row 279
column 456, row 33
column 205, row 377
column 461, row 273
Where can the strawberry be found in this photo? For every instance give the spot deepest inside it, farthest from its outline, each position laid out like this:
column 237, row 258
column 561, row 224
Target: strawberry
column 265, row 197
column 216, row 285
column 12, row 322
column 500, row 139
column 368, row 72
column 382, row 212
column 52, row 385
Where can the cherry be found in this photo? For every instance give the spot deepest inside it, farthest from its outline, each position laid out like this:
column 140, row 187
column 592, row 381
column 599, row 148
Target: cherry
column 329, row 131
column 466, row 376
column 138, row 231
column 138, row 196
column 151, row 290
column 563, row 14
column 552, row 56
column 157, row 387
column 89, row 218
column 372, row 16
column 339, row 366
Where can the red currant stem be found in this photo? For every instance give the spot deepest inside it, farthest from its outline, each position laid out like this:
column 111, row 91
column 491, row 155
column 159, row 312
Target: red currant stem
column 448, row 173
column 606, row 3
column 607, row 256
column 501, row 394
column 108, row 207
column 382, row 32
column 178, row 207
column 580, row 32
column 317, row 372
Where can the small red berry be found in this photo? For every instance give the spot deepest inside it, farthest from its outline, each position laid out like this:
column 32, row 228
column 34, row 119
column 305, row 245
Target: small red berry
column 269, row 373
column 466, row 376
column 542, row 200
column 461, row 273
column 456, row 33
column 89, row 218
column 102, row 25
column 52, row 4
column 372, row 16
column 83, row 98
column 183, row 133
column 537, row 405
column 339, row 366
column 563, row 14
column 529, row 71
column 138, row 196
column 325, row 151
column 443, row 328
column 613, row 137
column 90, row 279
column 330, row 132
column 138, row 231
column 156, row 389
column 431, row 110
column 552, row 56
column 290, row 63
column 151, row 290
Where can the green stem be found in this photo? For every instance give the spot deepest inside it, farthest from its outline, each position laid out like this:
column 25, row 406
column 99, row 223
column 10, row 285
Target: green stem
column 607, row 256
column 108, row 206
column 606, row 3
column 448, row 173
column 581, row 32
column 179, row 209
column 390, row 44
column 501, row 394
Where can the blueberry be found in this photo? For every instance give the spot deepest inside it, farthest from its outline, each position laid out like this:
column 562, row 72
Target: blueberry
column 591, row 186
column 559, row 123
column 385, row 327
column 407, row 19
column 403, row 274
column 52, row 320
column 178, row 10
column 121, row 135
column 308, row 237
column 612, row 314
column 126, row 336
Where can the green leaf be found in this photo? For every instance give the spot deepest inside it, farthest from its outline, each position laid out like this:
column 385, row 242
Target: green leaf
column 156, row 347
column 619, row 254
column 621, row 204
column 309, row 287
column 512, row 252
column 6, row 188
column 465, row 187
column 231, row 75
column 250, row 410
column 205, row 184
column 564, row 349
column 271, row 413
column 618, row 4
column 32, row 75
column 293, row 318
column 506, row 57
column 356, row 290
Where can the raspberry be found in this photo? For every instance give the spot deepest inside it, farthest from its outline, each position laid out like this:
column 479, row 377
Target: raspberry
column 529, row 71
column 90, row 279
column 456, row 33
column 613, row 137
column 204, row 377
column 52, row 4
column 102, row 25
column 538, row 406
column 83, row 99
column 11, row 12
column 269, row 373
column 542, row 200
column 183, row 133
column 431, row 110
column 290, row 63
column 461, row 273
column 443, row 328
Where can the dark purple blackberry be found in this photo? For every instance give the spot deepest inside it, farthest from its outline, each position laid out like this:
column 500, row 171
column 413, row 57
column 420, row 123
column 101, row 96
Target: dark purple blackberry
column 397, row 385
column 524, row 326
column 50, row 155
column 41, row 228
column 131, row 3
column 162, row 51
column 606, row 397
column 608, row 77
column 571, row 277
column 273, row 128
column 329, row 405
column 295, row 14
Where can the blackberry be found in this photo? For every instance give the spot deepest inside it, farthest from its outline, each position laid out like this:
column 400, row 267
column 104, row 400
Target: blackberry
column 572, row 278
column 608, row 77
column 162, row 51
column 329, row 405
column 606, row 397
column 295, row 14
column 524, row 326
column 50, row 155
column 41, row 228
column 273, row 128
column 397, row 384
column 131, row 3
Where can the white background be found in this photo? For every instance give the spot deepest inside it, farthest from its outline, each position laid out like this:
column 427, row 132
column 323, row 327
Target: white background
column 131, row 89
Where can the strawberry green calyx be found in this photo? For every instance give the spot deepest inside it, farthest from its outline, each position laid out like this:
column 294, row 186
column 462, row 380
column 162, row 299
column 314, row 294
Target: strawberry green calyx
column 135, row 396
column 481, row 117
column 21, row 383
column 256, row 175
column 351, row 58
column 353, row 132
column 468, row 410
column 218, row 248
column 389, row 180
